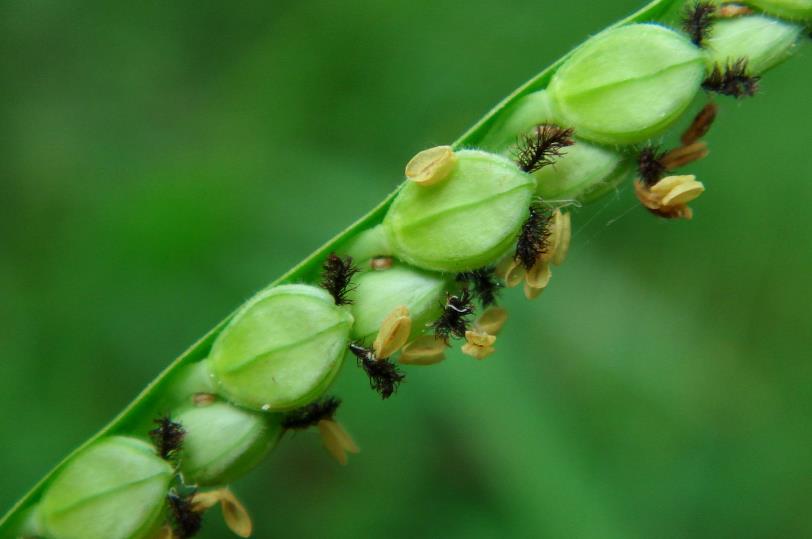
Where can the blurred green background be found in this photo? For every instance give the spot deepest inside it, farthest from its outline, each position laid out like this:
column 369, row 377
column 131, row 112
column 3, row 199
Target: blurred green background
column 160, row 161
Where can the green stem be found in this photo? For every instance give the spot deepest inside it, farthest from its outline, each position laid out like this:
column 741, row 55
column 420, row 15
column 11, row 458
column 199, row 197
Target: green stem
column 362, row 239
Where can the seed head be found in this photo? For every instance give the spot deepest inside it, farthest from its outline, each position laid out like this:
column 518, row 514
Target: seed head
column 542, row 147
column 310, row 415
column 337, row 277
column 732, row 80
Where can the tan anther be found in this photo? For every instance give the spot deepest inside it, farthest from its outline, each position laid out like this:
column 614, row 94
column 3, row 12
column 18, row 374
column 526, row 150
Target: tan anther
column 479, row 344
column 234, row 514
column 510, row 271
column 700, row 125
column 203, row 399
column 532, row 293
column 564, row 237
column 492, row 320
column 424, row 350
column 380, row 263
column 336, row 440
column 554, row 238
column 684, row 155
column 431, row 166
column 669, row 197
column 731, row 9
column 539, row 275
column 394, row 332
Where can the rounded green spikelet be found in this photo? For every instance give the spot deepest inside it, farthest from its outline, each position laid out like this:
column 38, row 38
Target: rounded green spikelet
column 282, row 348
column 465, row 221
column 763, row 41
column 378, row 293
column 628, row 84
column 790, row 9
column 114, row 489
column 223, row 442
column 583, row 167
column 528, row 112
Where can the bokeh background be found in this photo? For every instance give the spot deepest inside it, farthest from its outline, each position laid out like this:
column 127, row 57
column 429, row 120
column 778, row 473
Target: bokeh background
column 160, row 161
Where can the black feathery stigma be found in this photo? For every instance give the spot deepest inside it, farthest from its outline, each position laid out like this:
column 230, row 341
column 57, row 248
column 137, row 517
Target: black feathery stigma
column 310, row 415
column 167, row 436
column 650, row 165
column 337, row 277
column 732, row 80
column 483, row 283
column 698, row 21
column 534, row 236
column 384, row 376
column 184, row 520
column 541, row 148
column 454, row 320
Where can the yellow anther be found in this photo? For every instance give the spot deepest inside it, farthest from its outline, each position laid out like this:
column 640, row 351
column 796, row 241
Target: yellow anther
column 492, row 320
column 424, row 350
column 510, row 271
column 234, row 513
column 479, row 344
column 669, row 197
column 431, row 166
column 564, row 237
column 336, row 440
column 394, row 332
column 539, row 275
column 532, row 293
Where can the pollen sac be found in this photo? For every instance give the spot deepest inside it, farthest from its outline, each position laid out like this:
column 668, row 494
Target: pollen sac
column 670, row 196
column 431, row 166
column 282, row 349
column 627, row 84
column 394, row 333
column 788, row 9
column 224, row 442
column 583, row 168
column 114, row 489
column 424, row 350
column 763, row 41
column 478, row 344
column 378, row 294
column 465, row 222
